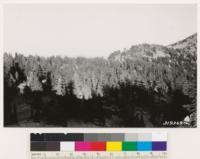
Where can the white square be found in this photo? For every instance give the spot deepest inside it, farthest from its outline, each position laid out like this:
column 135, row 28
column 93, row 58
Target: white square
column 67, row 146
column 159, row 136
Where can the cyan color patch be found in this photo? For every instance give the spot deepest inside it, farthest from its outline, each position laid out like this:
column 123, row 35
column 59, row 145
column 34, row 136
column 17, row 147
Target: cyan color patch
column 144, row 146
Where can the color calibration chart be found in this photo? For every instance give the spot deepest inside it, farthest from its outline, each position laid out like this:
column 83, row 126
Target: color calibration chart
column 99, row 146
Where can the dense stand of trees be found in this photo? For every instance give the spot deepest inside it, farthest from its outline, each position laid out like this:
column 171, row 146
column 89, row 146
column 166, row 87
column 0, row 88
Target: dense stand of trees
column 129, row 89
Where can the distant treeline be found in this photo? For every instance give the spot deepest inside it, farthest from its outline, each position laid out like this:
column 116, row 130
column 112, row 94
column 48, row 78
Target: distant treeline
column 164, row 87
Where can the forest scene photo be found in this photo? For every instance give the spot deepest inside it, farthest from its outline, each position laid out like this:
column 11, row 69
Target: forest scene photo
column 141, row 85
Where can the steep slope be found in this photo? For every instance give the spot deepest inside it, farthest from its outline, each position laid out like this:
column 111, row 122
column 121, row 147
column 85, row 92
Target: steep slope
column 152, row 51
column 175, row 63
column 170, row 67
column 190, row 41
column 187, row 49
column 159, row 81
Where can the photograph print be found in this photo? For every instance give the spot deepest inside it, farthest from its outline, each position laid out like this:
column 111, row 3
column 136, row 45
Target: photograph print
column 100, row 65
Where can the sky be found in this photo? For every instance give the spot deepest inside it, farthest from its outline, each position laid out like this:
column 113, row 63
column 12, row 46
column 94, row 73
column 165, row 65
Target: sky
column 93, row 30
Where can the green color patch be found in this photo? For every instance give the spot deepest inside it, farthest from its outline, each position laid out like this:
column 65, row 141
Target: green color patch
column 129, row 146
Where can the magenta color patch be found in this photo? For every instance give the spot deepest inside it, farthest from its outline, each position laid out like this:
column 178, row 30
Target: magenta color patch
column 82, row 146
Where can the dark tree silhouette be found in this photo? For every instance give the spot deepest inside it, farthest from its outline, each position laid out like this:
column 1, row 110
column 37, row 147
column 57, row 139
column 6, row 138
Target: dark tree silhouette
column 143, row 86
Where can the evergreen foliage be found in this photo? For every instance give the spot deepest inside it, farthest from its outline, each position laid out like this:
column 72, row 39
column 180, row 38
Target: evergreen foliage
column 144, row 83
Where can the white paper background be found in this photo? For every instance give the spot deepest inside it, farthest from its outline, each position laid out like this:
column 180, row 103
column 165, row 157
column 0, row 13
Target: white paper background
column 14, row 142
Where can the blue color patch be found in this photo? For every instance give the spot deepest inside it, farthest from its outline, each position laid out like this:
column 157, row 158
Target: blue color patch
column 144, row 146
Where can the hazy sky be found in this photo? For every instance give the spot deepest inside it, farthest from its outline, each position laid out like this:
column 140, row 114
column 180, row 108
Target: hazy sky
column 93, row 29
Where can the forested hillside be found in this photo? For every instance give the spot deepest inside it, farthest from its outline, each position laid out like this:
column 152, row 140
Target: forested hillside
column 143, row 86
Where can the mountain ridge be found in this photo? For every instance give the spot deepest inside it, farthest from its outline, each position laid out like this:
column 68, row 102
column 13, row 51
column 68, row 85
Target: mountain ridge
column 153, row 51
column 179, row 44
column 156, row 79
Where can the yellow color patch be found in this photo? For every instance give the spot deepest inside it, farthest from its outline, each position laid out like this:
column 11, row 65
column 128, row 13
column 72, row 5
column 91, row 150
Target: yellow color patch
column 114, row 146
